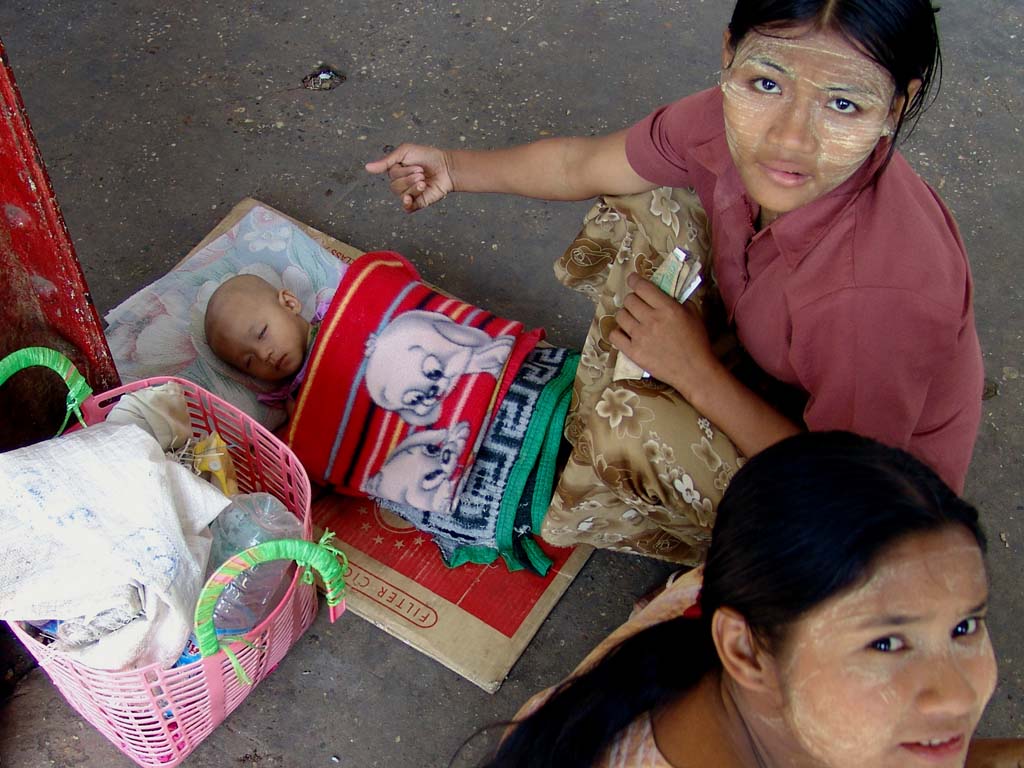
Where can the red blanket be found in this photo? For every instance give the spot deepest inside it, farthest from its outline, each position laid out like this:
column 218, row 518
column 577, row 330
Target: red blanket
column 401, row 384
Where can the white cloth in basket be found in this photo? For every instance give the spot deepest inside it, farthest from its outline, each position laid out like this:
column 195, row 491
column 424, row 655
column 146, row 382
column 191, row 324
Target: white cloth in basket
column 92, row 517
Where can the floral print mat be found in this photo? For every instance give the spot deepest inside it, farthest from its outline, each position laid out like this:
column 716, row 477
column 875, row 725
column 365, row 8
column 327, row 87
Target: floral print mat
column 159, row 330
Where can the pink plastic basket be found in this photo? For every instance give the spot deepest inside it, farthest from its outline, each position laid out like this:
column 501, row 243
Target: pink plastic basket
column 157, row 716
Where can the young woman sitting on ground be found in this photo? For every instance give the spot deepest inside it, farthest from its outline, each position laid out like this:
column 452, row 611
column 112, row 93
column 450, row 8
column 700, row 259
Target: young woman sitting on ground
column 840, row 623
column 840, row 270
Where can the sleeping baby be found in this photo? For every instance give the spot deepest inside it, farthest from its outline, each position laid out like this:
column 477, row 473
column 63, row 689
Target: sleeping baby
column 393, row 390
column 412, row 364
column 404, row 376
column 260, row 330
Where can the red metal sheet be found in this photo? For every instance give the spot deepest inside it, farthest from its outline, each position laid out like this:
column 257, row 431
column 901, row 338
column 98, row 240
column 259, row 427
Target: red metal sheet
column 44, row 299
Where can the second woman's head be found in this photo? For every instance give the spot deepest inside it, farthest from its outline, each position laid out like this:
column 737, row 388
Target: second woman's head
column 812, row 86
column 842, row 610
column 849, row 608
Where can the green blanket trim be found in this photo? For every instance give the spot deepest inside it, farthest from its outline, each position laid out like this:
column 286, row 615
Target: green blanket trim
column 480, row 554
column 536, row 555
column 541, row 442
column 544, row 486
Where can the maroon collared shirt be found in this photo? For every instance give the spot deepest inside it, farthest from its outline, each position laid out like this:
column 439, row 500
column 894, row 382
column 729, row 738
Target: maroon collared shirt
column 861, row 298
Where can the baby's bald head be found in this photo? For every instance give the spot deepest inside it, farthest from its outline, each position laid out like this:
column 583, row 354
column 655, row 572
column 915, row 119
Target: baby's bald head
column 256, row 327
column 229, row 298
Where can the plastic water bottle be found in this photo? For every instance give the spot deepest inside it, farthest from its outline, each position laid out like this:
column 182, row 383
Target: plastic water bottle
column 251, row 519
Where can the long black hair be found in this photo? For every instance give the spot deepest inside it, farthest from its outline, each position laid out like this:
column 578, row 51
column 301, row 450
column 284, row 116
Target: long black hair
column 901, row 36
column 801, row 521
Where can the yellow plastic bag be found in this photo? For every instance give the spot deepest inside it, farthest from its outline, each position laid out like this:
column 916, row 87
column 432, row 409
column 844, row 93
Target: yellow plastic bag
column 213, row 461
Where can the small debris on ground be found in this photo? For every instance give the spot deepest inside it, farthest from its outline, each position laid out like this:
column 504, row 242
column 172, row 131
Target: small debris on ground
column 323, row 78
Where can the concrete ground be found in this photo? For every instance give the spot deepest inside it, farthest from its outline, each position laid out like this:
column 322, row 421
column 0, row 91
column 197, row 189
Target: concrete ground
column 154, row 118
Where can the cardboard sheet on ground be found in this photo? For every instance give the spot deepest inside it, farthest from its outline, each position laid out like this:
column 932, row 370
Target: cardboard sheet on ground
column 476, row 620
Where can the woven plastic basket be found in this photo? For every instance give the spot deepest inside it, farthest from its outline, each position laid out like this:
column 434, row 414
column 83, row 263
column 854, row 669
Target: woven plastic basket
column 158, row 716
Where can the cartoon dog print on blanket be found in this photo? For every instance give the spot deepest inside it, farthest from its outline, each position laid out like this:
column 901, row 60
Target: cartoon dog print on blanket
column 419, row 471
column 418, row 358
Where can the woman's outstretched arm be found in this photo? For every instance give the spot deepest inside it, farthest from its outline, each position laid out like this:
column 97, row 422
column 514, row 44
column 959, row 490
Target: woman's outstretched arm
column 574, row 168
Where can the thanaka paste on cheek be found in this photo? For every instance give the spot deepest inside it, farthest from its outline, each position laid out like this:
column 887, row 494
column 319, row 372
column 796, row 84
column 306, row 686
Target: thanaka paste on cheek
column 820, row 713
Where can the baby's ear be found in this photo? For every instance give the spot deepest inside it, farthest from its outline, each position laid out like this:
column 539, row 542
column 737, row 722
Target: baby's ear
column 289, row 301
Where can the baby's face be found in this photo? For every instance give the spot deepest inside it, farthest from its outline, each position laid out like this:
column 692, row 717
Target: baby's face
column 262, row 334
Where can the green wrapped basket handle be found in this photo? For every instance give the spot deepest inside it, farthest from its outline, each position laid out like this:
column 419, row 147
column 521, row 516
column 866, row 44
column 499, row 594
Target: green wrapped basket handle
column 78, row 388
column 330, row 562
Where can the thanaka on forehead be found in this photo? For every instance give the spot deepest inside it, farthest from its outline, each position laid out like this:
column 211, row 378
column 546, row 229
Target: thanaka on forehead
column 903, row 619
column 904, row 561
column 861, row 91
column 857, row 68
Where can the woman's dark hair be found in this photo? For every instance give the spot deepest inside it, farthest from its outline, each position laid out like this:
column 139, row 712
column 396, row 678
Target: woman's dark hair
column 899, row 35
column 802, row 521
